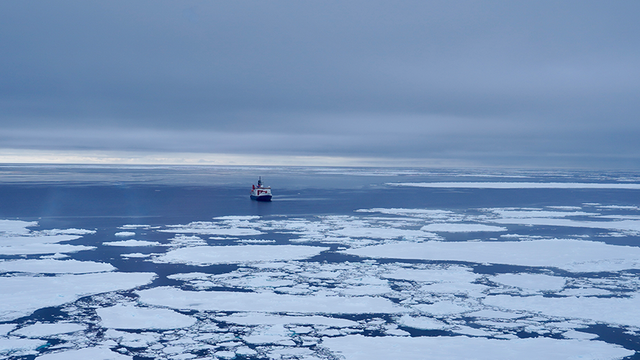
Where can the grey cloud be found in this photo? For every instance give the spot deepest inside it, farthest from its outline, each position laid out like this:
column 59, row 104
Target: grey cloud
column 377, row 78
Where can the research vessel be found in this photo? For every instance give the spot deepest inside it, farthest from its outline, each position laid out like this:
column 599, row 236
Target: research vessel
column 260, row 192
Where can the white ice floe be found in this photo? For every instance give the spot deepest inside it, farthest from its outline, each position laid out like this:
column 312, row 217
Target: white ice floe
column 207, row 255
column 134, row 227
column 571, row 255
column 132, row 317
column 21, row 295
column 422, row 322
column 49, row 266
column 39, row 244
column 456, row 227
column 520, row 185
column 266, row 302
column 44, row 330
column 211, row 228
column 132, row 243
column 16, row 227
column 14, row 346
column 620, row 225
column 125, row 234
column 623, row 311
column 252, row 318
column 433, row 214
column 135, row 255
column 357, row 347
column 535, row 282
column 93, row 353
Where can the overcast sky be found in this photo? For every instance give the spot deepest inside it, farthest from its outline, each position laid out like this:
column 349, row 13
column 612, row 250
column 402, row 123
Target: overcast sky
column 498, row 83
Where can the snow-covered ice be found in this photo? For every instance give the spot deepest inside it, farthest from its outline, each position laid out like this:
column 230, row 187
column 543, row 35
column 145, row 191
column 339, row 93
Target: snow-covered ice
column 132, row 317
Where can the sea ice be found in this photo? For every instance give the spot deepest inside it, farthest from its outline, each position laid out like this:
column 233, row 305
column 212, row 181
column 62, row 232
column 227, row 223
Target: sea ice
column 19, row 347
column 571, row 255
column 455, row 227
column 208, row 255
column 266, row 302
column 623, row 311
column 132, row 317
column 535, row 282
column 93, row 353
column 45, row 330
column 50, row 266
column 125, row 234
column 358, row 347
column 132, row 243
column 22, row 295
column 520, row 185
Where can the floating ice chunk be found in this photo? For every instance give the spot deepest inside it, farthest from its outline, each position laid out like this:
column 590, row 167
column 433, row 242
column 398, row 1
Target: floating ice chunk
column 265, row 302
column 458, row 274
column 125, row 234
column 382, row 233
column 270, row 334
column 39, row 244
column 94, row 353
column 261, row 318
column 511, row 213
column 421, row 213
column 624, row 311
column 207, row 255
column 134, row 226
column 455, row 227
column 422, row 322
column 132, row 243
column 209, row 228
column 520, row 185
column 536, row 282
column 579, row 335
column 135, row 255
column 237, row 217
column 44, row 330
column 6, row 328
column 132, row 339
column 72, row 231
column 16, row 227
column 571, row 255
column 444, row 308
column 358, row 347
column 19, row 347
column 54, row 266
column 21, row 295
column 131, row 317
column 494, row 314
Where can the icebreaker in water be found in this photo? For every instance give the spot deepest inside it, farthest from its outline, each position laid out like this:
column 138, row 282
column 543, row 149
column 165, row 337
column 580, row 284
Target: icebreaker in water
column 260, row 193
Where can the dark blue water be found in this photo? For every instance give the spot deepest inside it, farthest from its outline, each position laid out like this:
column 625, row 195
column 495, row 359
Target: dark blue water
column 104, row 198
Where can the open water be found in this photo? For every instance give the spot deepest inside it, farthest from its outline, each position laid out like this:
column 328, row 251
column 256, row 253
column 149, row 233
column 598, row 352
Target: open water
column 175, row 262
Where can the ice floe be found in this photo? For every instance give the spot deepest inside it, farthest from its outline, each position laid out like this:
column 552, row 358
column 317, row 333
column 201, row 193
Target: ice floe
column 520, row 185
column 22, row 295
column 54, row 266
column 93, row 353
column 612, row 310
column 19, row 347
column 208, row 255
column 571, row 255
column 46, row 330
column 266, row 302
column 125, row 234
column 131, row 243
column 454, row 227
column 132, row 317
column 356, row 347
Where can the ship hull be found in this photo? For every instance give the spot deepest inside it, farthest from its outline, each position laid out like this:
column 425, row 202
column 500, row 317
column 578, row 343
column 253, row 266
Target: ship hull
column 261, row 197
